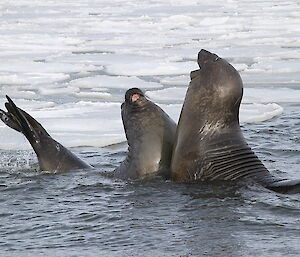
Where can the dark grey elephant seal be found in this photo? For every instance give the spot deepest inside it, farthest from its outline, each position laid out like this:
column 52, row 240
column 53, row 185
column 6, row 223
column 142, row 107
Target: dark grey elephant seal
column 52, row 156
column 209, row 143
column 150, row 134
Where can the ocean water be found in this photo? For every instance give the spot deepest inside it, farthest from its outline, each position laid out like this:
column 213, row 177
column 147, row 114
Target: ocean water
column 69, row 63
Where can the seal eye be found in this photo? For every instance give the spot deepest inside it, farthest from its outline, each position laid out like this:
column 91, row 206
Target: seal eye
column 216, row 59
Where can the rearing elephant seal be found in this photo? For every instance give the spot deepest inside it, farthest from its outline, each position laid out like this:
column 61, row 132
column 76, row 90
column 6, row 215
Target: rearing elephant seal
column 209, row 143
column 52, row 156
column 150, row 134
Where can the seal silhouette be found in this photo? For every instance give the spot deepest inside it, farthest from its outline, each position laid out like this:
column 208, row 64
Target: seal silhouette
column 150, row 134
column 52, row 156
column 209, row 143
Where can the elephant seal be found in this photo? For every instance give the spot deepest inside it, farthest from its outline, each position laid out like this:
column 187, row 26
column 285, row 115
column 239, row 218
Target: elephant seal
column 52, row 156
column 209, row 143
column 150, row 134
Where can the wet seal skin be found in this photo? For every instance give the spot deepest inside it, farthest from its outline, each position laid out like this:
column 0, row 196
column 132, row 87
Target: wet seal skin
column 150, row 134
column 52, row 156
column 209, row 144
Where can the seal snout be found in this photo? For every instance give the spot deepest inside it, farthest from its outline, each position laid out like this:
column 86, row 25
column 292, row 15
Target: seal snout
column 205, row 56
column 134, row 97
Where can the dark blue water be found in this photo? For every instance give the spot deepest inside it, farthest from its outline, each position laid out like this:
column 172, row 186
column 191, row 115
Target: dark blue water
column 86, row 213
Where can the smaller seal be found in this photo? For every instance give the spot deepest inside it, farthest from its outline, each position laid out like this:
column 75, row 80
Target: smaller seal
column 150, row 134
column 52, row 156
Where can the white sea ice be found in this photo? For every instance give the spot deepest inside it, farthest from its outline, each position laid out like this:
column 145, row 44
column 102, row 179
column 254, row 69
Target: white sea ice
column 68, row 63
column 152, row 68
column 167, row 94
column 252, row 113
column 251, row 95
column 99, row 124
column 120, row 82
column 271, row 95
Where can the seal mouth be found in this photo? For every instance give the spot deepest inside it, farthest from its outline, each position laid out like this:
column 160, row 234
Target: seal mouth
column 135, row 97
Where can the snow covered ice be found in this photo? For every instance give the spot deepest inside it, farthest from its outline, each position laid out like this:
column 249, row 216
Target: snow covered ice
column 69, row 63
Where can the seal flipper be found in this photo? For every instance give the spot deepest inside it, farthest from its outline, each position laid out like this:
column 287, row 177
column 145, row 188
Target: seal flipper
column 52, row 155
column 18, row 115
column 286, row 186
column 9, row 120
